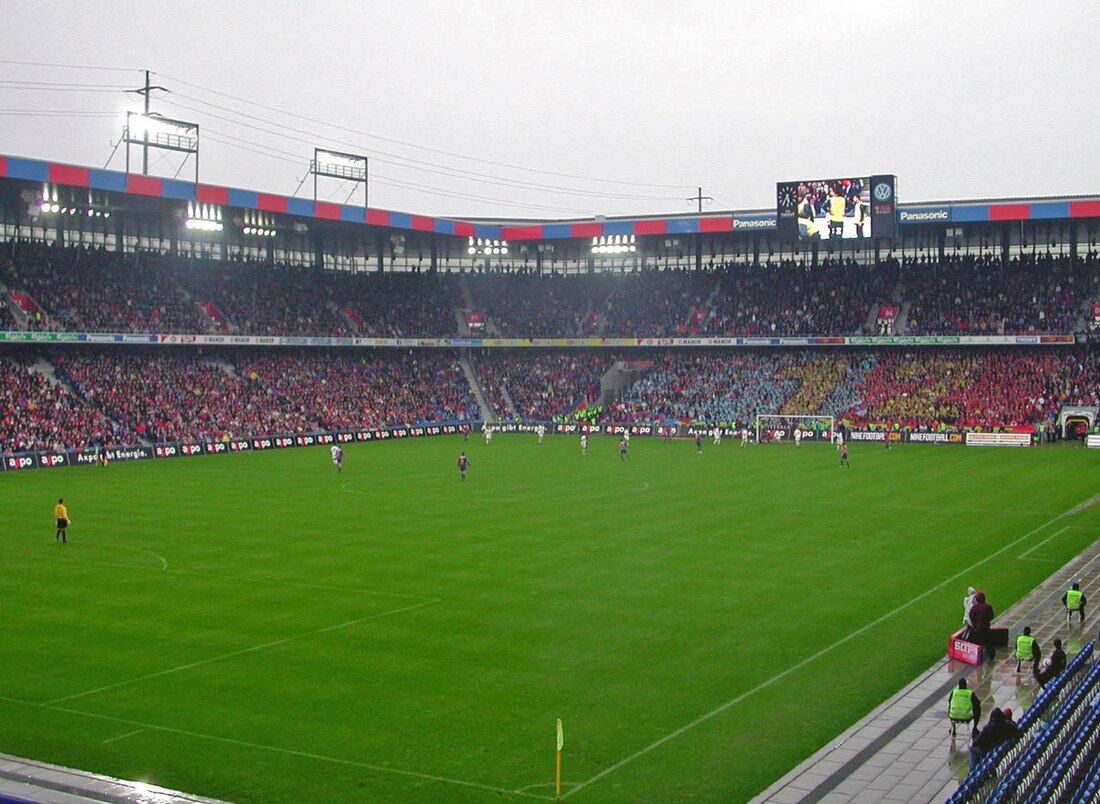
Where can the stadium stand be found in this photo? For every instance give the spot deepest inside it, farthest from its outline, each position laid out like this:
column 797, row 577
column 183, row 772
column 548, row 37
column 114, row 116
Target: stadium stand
column 38, row 415
column 795, row 298
column 95, row 290
column 543, row 385
column 126, row 396
column 981, row 296
column 175, row 397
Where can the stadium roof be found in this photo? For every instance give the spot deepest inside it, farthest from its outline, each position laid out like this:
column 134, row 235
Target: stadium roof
column 925, row 212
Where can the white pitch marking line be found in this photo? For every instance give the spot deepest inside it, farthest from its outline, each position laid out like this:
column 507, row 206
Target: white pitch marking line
column 1030, row 550
column 289, row 751
column 242, row 652
column 304, row 585
column 826, row 650
column 124, row 736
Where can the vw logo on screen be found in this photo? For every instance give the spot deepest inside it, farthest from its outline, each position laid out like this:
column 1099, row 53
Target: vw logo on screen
column 883, row 191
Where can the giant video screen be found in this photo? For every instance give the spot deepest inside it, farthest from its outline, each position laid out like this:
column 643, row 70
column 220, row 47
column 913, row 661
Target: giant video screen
column 828, row 209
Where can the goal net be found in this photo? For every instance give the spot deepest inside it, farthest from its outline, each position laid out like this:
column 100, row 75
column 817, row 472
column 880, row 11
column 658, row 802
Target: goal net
column 775, row 427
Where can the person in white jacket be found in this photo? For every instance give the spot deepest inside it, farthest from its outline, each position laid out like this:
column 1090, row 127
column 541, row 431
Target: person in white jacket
column 968, row 601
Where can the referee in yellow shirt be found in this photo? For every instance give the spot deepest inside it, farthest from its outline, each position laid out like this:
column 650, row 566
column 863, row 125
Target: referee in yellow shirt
column 62, row 516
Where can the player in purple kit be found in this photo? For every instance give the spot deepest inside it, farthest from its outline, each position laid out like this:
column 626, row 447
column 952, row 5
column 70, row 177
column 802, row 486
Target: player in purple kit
column 624, row 447
column 844, row 455
column 463, row 464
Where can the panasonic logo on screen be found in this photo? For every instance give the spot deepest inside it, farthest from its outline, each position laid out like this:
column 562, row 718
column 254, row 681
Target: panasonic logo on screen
column 759, row 223
column 925, row 215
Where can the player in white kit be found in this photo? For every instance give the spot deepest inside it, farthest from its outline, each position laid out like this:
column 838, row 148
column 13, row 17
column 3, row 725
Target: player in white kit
column 541, row 430
column 584, row 444
column 798, row 436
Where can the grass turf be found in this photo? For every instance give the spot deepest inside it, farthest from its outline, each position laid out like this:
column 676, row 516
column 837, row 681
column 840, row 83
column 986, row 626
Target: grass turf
column 260, row 628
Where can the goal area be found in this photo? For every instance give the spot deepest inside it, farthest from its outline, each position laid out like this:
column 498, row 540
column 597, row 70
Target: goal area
column 781, row 427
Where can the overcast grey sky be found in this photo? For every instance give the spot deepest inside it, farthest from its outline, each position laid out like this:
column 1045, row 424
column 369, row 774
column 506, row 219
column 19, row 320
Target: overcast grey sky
column 626, row 104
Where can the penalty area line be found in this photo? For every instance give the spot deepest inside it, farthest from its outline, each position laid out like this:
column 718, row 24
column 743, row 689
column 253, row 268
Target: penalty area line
column 242, row 652
column 814, row 657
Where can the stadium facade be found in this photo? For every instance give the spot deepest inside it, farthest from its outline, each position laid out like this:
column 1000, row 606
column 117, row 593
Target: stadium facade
column 124, row 211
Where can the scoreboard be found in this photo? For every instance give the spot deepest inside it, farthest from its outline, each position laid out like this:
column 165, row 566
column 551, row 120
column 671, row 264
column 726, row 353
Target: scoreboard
column 848, row 208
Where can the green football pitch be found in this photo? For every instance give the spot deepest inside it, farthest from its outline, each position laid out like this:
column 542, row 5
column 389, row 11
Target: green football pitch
column 259, row 628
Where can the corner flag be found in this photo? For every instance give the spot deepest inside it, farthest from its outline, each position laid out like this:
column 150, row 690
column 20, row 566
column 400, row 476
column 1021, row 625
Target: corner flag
column 557, row 763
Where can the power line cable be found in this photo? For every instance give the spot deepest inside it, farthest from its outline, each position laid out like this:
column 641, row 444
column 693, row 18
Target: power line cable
column 68, row 66
column 393, row 181
column 419, row 147
column 417, row 164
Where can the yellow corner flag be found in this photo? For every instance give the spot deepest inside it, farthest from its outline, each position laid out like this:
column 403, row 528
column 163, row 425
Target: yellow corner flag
column 557, row 764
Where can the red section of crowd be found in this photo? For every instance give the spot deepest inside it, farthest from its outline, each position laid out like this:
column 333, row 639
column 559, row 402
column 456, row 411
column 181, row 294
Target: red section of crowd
column 38, row 415
column 174, row 397
column 975, row 389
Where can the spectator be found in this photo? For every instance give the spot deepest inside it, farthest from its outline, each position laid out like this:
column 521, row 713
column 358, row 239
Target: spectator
column 1052, row 667
column 968, row 601
column 998, row 731
column 981, row 620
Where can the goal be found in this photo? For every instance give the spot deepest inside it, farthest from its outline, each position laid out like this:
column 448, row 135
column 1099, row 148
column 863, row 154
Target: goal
column 776, row 427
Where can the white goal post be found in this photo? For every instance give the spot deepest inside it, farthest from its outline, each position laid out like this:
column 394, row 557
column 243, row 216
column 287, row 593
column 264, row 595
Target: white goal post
column 785, row 425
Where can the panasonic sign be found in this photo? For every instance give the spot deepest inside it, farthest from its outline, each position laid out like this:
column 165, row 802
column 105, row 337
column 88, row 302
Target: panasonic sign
column 754, row 223
column 924, row 215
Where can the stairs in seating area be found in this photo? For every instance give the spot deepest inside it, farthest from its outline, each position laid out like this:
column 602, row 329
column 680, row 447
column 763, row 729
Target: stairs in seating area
column 218, row 319
column 24, row 308
column 487, row 414
column 353, row 318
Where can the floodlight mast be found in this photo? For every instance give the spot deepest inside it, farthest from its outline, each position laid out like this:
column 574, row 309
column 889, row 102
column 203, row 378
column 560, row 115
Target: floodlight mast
column 342, row 166
column 164, row 133
column 145, row 92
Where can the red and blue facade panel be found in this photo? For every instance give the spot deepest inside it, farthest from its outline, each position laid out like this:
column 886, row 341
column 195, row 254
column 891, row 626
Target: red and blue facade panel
column 327, row 212
column 26, row 169
column 144, row 185
column 521, row 232
column 151, row 186
column 209, row 194
column 352, row 214
column 378, row 217
column 67, row 174
column 707, row 225
column 107, row 180
column 1084, row 209
column 301, row 208
column 658, row 227
column 271, row 203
